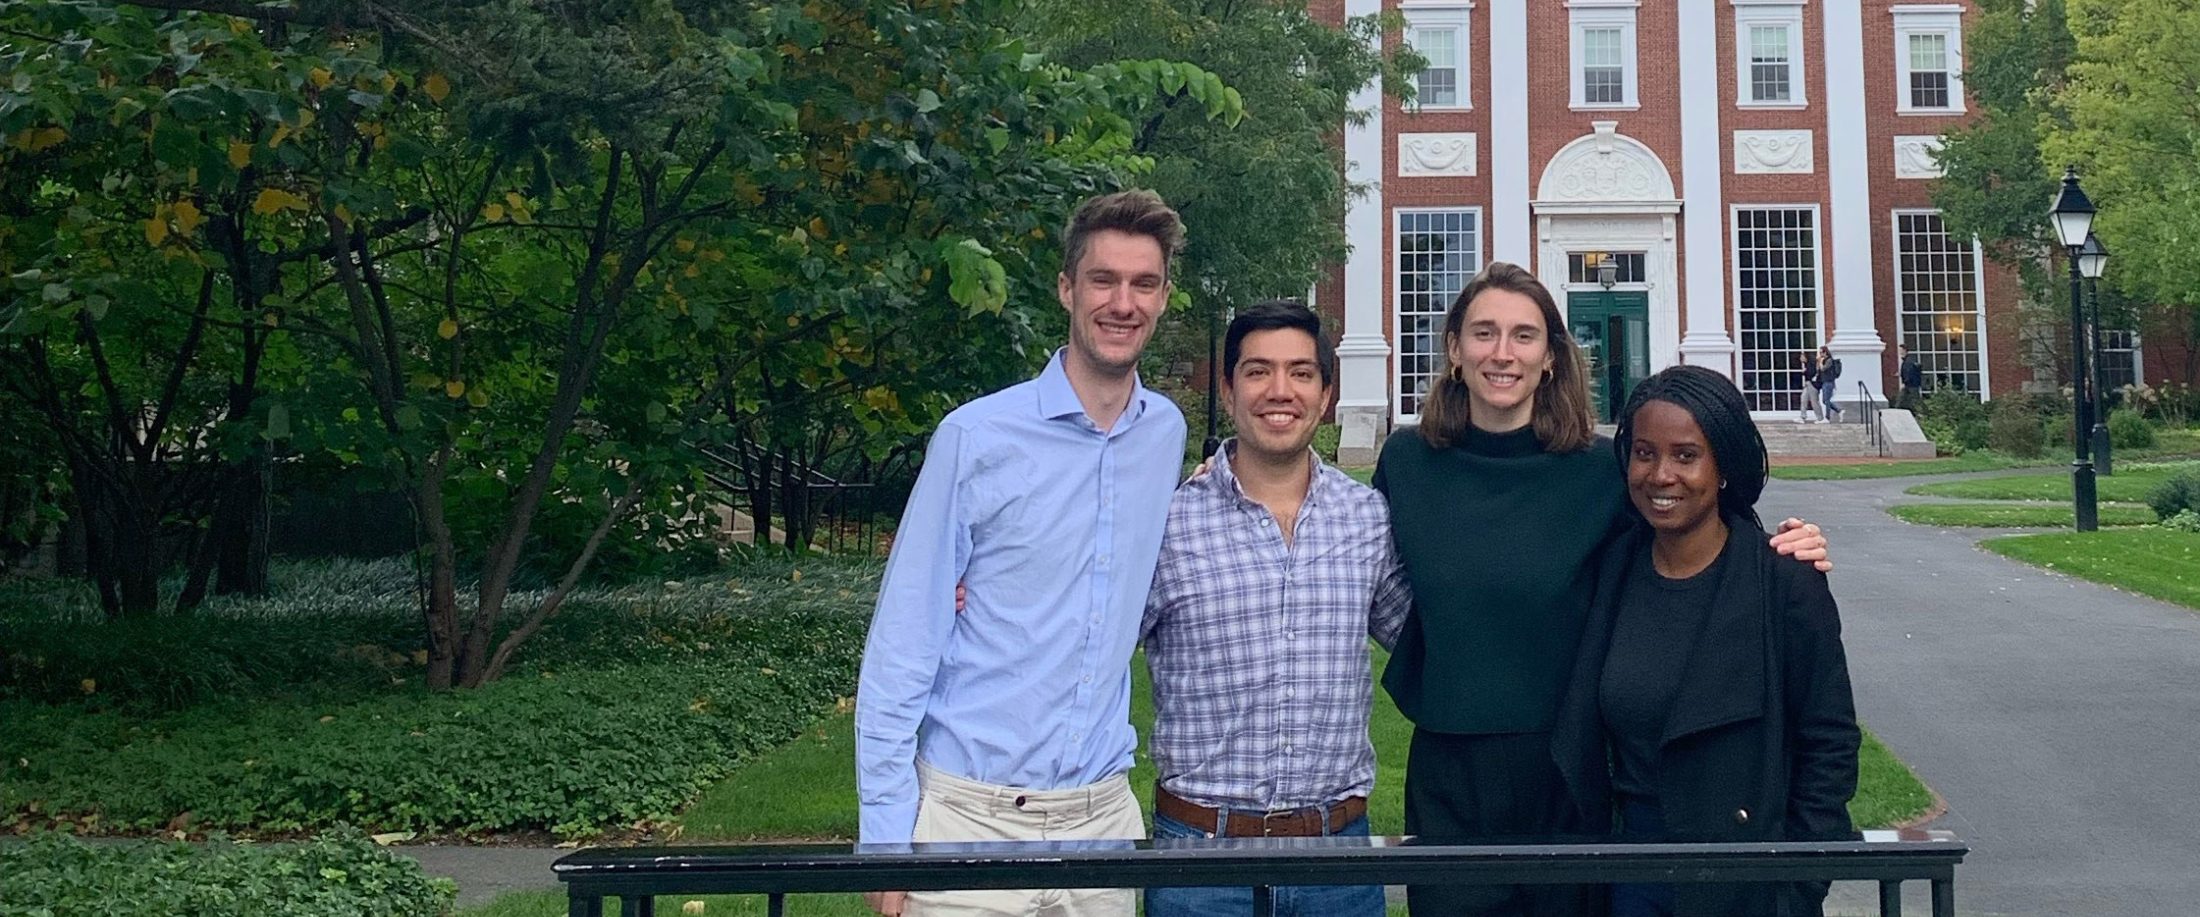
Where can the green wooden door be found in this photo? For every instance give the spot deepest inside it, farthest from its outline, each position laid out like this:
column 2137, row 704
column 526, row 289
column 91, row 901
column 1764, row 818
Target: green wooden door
column 1613, row 331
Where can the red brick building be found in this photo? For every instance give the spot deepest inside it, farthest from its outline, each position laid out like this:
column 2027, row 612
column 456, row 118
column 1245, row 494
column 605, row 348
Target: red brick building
column 1758, row 172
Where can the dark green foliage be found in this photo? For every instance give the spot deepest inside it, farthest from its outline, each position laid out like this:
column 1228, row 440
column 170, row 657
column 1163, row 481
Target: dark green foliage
column 339, row 874
column 628, row 704
column 2015, row 428
column 2128, row 430
column 1953, row 420
column 2178, row 494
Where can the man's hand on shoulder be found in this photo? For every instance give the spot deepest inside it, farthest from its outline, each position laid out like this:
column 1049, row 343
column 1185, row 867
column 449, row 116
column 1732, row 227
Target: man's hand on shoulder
column 1804, row 542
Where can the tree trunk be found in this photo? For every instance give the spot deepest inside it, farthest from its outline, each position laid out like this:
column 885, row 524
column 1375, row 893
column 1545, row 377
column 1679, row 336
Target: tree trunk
column 441, row 607
column 241, row 529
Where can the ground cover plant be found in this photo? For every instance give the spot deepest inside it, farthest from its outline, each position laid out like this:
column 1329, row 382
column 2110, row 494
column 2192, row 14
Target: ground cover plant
column 2014, row 515
column 2156, row 561
column 629, row 704
column 2133, row 482
column 341, row 874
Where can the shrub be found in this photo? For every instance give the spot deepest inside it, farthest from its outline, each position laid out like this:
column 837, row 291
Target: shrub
column 2179, row 493
column 340, row 873
column 2128, row 430
column 2185, row 521
column 1325, row 441
column 2015, row 429
column 568, row 752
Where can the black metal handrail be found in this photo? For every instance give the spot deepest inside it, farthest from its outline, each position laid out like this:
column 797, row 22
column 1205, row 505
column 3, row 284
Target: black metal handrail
column 806, row 498
column 636, row 874
column 1868, row 412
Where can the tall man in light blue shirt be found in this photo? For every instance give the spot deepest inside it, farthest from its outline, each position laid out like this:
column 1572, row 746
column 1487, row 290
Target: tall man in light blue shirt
column 1011, row 719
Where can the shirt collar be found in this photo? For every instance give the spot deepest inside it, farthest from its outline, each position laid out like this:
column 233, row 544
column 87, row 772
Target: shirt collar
column 1058, row 400
column 1226, row 477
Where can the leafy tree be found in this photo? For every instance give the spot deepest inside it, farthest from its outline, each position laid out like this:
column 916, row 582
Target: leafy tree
column 1263, row 201
column 548, row 248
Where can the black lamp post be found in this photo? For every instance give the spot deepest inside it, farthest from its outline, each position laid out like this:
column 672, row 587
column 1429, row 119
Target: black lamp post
column 1213, row 443
column 2092, row 260
column 2072, row 217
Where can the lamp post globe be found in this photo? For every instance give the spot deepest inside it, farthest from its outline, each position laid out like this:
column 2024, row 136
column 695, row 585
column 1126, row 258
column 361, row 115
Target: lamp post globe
column 2092, row 262
column 2072, row 217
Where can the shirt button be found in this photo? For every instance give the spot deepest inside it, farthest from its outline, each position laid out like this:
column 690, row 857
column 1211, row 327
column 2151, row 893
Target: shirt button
column 1289, row 693
column 1088, row 679
column 1076, row 737
column 1264, row 523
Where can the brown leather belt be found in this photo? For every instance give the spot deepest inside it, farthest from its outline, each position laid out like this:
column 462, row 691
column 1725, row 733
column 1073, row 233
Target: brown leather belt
column 1306, row 822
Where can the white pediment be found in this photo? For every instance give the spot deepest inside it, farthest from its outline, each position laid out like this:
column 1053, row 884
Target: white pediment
column 1606, row 167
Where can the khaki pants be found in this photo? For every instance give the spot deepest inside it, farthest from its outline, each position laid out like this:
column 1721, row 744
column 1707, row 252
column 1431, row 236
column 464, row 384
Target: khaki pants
column 950, row 808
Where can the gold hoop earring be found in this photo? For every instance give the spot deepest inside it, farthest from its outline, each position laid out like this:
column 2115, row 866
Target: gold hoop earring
column 1456, row 375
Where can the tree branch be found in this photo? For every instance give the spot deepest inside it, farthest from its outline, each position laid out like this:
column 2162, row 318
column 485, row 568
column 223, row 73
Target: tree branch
column 556, row 599
column 174, row 385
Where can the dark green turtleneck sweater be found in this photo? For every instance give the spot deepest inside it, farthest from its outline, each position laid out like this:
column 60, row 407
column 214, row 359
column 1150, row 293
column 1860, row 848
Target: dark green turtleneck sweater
column 1500, row 541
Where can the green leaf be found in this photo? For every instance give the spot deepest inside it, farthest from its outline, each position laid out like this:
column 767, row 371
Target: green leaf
column 996, row 138
column 408, row 417
column 278, row 422
column 927, row 101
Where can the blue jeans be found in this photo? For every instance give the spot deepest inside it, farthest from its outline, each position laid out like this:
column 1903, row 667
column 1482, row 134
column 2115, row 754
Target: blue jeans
column 1828, row 394
column 1289, row 900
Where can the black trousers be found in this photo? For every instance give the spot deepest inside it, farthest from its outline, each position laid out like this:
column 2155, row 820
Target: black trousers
column 1491, row 789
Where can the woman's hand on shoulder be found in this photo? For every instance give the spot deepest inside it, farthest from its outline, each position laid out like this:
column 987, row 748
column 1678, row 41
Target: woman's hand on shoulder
column 1804, row 542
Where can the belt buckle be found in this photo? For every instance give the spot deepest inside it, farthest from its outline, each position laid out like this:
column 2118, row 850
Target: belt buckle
column 1268, row 819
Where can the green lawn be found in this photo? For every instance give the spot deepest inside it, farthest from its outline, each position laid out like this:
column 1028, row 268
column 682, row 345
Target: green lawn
column 2168, row 444
column 2130, row 484
column 2163, row 563
column 2013, row 515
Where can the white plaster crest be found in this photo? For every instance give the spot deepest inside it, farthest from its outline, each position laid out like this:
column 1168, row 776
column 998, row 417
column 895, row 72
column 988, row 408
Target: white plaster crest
column 1917, row 156
column 1436, row 154
column 1773, row 152
column 1605, row 166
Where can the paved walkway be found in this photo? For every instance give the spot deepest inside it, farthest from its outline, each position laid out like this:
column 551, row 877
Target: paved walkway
column 2060, row 719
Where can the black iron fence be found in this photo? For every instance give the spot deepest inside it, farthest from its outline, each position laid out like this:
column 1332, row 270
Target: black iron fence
column 798, row 507
column 1868, row 413
column 635, row 875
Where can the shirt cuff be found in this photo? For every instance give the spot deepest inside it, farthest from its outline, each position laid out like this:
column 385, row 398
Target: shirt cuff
column 894, row 823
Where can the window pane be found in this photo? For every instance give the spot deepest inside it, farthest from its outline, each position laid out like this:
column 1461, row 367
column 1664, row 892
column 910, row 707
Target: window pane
column 1936, row 303
column 1769, row 70
column 1775, row 256
column 2119, row 361
column 1603, row 86
column 1600, row 48
column 1768, row 43
column 1439, row 84
column 1929, row 52
column 1438, row 252
column 1928, row 90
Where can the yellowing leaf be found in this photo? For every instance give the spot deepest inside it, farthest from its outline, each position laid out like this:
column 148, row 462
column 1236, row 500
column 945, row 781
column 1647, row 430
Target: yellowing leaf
column 518, row 206
column 319, row 77
column 393, row 837
column 493, row 213
column 156, row 231
column 282, row 132
column 188, row 217
column 817, row 228
column 88, row 686
column 34, row 139
column 240, row 154
column 329, row 718
column 691, row 908
column 436, row 87
column 447, row 330
column 454, row 388
column 272, row 200
column 478, row 397
column 343, row 213
column 684, row 246
column 389, row 81
column 420, row 657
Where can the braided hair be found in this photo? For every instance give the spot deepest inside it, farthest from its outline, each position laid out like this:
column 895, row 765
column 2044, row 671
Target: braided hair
column 1736, row 446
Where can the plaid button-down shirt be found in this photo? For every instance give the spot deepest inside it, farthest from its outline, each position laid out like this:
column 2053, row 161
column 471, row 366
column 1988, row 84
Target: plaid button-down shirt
column 1258, row 648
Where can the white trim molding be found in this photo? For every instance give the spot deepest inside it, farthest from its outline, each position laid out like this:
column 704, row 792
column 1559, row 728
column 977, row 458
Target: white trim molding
column 1923, row 20
column 1456, row 15
column 1605, row 171
column 1614, row 15
column 1917, row 156
column 1787, row 14
column 1363, row 354
column 1508, row 227
column 1445, row 154
column 1774, row 153
column 1707, row 342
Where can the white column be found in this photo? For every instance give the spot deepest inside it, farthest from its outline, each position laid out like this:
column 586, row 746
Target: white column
column 1703, row 200
column 1855, row 340
column 1363, row 355
column 1511, row 232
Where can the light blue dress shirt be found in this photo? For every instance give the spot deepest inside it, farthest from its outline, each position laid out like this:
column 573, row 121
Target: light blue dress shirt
column 1054, row 525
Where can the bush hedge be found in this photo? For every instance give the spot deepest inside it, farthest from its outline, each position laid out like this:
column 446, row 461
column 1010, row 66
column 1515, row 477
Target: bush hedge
column 2127, row 429
column 2180, row 493
column 340, row 874
column 2015, row 429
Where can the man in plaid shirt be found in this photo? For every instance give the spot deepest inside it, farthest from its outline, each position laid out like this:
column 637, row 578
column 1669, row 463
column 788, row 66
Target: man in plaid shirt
column 1275, row 569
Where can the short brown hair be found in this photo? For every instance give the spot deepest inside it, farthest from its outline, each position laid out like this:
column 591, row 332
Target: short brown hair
column 1138, row 211
column 1561, row 413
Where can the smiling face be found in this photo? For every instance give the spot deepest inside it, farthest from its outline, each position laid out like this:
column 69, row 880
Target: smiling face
column 1672, row 476
column 1276, row 395
column 1115, row 297
column 1503, row 351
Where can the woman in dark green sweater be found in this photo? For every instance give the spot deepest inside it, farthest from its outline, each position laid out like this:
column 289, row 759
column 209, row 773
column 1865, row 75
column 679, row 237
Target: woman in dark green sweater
column 1501, row 503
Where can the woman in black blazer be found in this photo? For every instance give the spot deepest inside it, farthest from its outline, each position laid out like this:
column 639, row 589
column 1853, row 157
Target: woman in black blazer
column 1711, row 699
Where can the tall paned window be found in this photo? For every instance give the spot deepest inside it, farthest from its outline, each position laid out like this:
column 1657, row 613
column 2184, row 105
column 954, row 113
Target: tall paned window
column 1768, row 43
column 1602, row 53
column 1438, row 252
column 2119, row 361
column 1928, row 59
column 1603, row 68
column 1771, row 70
column 1440, row 34
column 1929, row 71
column 1938, row 304
column 1776, row 302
